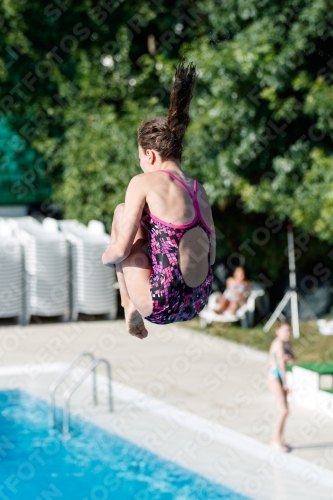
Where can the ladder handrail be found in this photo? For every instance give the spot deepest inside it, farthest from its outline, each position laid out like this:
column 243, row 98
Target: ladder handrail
column 55, row 384
column 70, row 391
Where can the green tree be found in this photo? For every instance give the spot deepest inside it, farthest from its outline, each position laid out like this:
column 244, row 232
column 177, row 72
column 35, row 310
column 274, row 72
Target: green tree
column 263, row 120
column 77, row 87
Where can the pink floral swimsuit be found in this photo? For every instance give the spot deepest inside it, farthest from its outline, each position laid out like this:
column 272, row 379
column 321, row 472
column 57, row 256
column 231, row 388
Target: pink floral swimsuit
column 173, row 299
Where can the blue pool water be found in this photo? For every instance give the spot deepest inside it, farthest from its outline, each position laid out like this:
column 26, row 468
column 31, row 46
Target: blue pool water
column 37, row 464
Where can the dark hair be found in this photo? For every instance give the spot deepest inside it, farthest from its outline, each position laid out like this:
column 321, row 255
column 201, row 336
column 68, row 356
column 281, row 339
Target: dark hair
column 166, row 135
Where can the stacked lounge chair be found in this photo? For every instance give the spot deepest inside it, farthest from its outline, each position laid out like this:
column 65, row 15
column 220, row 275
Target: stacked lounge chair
column 54, row 268
column 11, row 274
column 46, row 264
column 93, row 285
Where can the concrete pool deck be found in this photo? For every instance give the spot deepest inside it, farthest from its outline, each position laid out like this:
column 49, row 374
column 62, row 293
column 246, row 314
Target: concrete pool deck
column 172, row 385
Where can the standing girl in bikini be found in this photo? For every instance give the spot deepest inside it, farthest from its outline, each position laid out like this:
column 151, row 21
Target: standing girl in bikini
column 162, row 239
column 280, row 353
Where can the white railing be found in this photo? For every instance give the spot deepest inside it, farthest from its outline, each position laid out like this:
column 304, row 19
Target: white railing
column 91, row 368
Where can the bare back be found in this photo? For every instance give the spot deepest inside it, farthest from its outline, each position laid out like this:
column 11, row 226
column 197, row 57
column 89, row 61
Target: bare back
column 168, row 201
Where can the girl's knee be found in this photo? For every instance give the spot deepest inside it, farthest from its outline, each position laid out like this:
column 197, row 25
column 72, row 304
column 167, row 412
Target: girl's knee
column 284, row 411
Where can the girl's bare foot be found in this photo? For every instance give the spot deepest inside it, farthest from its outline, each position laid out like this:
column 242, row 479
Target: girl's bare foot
column 277, row 445
column 134, row 323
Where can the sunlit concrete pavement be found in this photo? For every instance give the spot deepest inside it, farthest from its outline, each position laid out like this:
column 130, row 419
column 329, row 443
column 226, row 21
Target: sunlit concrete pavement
column 219, row 380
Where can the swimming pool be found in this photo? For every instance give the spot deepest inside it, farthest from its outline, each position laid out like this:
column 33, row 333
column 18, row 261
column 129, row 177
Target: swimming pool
column 37, row 464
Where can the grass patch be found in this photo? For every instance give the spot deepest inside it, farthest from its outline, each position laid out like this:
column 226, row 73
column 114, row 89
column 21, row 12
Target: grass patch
column 310, row 347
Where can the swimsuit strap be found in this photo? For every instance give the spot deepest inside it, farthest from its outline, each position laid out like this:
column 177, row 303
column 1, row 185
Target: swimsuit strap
column 195, row 201
column 193, row 196
column 180, row 182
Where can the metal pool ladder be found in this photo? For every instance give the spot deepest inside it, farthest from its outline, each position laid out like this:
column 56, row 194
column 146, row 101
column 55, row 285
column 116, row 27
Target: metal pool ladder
column 94, row 362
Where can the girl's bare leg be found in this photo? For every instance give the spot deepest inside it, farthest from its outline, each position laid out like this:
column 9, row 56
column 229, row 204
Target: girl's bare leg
column 235, row 304
column 133, row 277
column 133, row 318
column 282, row 407
column 221, row 305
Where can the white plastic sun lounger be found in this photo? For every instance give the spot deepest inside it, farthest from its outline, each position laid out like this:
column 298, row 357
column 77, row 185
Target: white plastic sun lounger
column 245, row 314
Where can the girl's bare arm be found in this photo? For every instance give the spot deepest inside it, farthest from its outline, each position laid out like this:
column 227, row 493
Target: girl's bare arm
column 289, row 355
column 121, row 243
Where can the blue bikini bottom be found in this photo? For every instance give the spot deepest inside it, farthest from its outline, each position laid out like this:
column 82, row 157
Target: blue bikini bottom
column 277, row 373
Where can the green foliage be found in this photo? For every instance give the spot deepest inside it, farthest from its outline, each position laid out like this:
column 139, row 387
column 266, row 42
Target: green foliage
column 96, row 177
column 76, row 108
column 263, row 115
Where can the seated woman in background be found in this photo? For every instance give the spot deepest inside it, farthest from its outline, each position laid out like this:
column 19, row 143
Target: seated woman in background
column 236, row 293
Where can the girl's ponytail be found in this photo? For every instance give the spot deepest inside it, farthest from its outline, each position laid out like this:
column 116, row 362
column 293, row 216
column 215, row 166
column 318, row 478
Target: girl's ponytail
column 180, row 98
column 166, row 135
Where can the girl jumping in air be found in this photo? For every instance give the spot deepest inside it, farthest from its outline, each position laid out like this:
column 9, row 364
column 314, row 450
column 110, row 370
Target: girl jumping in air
column 162, row 238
